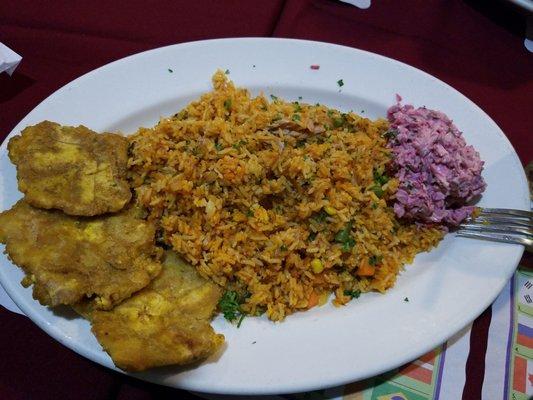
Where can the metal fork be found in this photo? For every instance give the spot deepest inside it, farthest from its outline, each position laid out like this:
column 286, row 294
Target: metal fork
column 501, row 225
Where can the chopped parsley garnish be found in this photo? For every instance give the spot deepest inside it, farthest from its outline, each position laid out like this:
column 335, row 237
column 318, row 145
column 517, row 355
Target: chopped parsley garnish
column 380, row 178
column 338, row 122
column 300, row 97
column 345, row 238
column 239, row 144
column 340, row 82
column 377, row 190
column 230, row 305
column 283, row 247
column 330, row 113
column 320, row 216
column 227, row 104
column 312, row 236
column 296, row 117
column 390, row 134
column 250, row 213
column 374, row 206
column 301, row 143
column 169, row 70
column 347, row 245
column 276, row 118
column 226, row 72
column 218, row 146
column 297, row 107
column 375, row 260
column 354, row 294
column 275, row 98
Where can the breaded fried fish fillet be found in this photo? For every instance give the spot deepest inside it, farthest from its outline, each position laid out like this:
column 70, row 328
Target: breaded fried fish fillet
column 68, row 259
column 167, row 323
column 72, row 169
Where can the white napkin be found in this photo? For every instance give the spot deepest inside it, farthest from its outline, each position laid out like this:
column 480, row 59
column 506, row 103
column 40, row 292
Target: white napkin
column 528, row 41
column 529, row 44
column 9, row 60
column 358, row 3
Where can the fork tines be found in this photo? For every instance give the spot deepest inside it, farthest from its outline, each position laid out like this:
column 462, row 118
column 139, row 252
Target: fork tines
column 501, row 225
column 493, row 212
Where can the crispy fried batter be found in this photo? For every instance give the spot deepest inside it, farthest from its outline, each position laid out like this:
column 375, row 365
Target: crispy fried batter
column 68, row 259
column 71, row 168
column 164, row 324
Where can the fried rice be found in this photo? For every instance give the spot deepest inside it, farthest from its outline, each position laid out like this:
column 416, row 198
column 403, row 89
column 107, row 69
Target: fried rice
column 283, row 202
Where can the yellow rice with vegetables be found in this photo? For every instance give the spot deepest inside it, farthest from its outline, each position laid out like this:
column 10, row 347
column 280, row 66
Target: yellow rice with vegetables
column 282, row 203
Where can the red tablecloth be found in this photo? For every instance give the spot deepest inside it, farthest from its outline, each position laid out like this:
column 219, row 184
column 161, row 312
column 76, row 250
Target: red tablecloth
column 475, row 46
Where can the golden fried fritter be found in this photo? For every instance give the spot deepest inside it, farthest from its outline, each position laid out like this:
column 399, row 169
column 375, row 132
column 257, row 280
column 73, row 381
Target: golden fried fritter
column 68, row 259
column 167, row 323
column 72, row 169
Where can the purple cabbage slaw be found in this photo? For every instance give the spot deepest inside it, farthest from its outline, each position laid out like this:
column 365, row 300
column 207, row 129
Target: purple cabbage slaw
column 438, row 173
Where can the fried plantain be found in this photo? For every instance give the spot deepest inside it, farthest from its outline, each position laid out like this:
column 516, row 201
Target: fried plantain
column 166, row 323
column 72, row 169
column 68, row 259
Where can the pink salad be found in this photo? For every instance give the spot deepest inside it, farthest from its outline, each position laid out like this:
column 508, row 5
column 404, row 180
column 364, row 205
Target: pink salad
column 439, row 173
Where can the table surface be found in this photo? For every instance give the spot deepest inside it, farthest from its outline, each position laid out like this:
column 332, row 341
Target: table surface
column 475, row 46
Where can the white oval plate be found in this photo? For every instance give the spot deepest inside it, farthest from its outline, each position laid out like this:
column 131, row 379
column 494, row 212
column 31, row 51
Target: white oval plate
column 447, row 288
